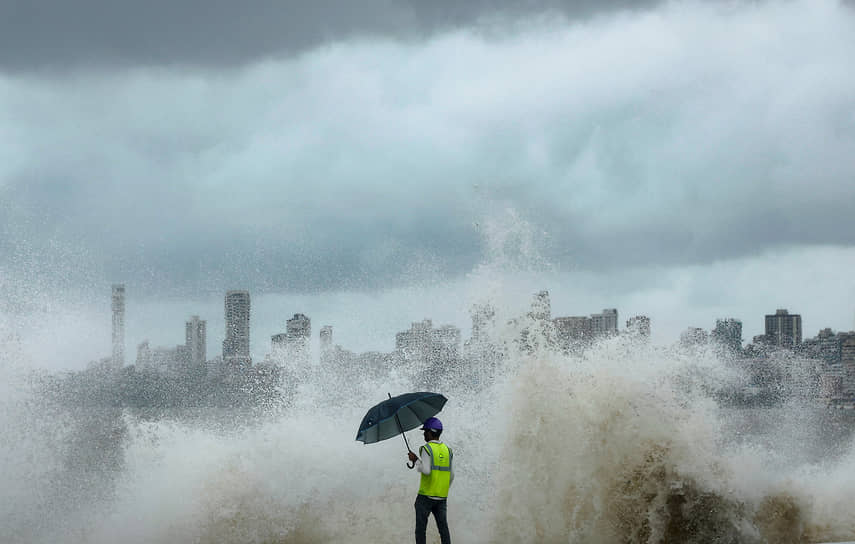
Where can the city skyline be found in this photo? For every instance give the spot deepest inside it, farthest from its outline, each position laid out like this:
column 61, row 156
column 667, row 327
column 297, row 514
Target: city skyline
column 820, row 367
column 298, row 328
column 627, row 159
column 67, row 333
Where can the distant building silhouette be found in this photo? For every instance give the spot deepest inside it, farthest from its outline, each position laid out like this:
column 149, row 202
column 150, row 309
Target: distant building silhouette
column 424, row 343
column 445, row 346
column 693, row 337
column 481, row 351
column 541, row 309
column 299, row 327
column 118, row 306
column 639, row 325
column 605, row 323
column 784, row 329
column 415, row 343
column 293, row 345
column 728, row 333
column 162, row 359
column 483, row 322
column 573, row 332
column 143, row 355
column 827, row 348
column 431, row 354
column 196, row 341
column 236, row 343
column 326, row 338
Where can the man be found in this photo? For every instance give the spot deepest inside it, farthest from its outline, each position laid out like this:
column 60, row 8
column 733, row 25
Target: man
column 434, row 464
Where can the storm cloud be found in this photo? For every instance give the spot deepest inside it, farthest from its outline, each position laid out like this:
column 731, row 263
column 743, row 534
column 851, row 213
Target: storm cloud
column 683, row 134
column 46, row 35
column 659, row 158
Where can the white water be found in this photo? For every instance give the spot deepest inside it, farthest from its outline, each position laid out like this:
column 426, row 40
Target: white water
column 617, row 446
column 620, row 445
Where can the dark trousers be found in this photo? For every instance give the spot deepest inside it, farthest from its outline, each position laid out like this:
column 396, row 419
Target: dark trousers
column 424, row 507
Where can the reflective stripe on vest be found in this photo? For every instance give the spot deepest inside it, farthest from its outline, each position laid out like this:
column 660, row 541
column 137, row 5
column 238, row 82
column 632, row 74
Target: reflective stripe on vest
column 436, row 484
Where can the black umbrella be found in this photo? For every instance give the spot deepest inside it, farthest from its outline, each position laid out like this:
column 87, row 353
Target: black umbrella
column 396, row 415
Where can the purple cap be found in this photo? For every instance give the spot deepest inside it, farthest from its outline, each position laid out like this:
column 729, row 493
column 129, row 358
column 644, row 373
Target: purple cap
column 432, row 424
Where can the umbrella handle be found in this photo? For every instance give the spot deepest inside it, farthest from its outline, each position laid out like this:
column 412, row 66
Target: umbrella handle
column 411, row 464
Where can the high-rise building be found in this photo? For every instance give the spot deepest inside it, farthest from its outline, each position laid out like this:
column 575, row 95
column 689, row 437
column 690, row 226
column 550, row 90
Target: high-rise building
column 293, row 346
column 784, row 329
column 605, row 323
column 118, row 306
column 728, row 333
column 196, row 341
column 299, row 327
column 236, row 343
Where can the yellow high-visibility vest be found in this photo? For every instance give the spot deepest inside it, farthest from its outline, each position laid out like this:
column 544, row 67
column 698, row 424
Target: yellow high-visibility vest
column 436, row 483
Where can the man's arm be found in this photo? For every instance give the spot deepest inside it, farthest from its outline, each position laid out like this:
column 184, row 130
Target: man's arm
column 424, row 462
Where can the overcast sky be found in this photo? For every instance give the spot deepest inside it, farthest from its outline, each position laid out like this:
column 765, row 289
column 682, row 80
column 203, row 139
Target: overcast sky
column 380, row 164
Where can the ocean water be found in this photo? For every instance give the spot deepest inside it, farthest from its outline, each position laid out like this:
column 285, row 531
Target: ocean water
column 621, row 445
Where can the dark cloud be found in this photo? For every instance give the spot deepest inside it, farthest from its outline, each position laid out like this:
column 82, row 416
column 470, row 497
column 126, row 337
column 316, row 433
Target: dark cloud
column 71, row 236
column 690, row 135
column 46, row 34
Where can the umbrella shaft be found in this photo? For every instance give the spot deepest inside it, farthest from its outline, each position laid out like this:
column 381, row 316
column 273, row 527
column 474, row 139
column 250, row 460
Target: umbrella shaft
column 405, row 437
column 398, row 421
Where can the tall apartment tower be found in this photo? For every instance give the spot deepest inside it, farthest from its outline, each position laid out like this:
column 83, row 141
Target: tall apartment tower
column 784, row 329
column 236, row 343
column 299, row 327
column 196, row 341
column 606, row 323
column 118, row 306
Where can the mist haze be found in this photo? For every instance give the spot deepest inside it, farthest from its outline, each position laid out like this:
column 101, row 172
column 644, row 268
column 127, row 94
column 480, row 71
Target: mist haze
column 485, row 199
column 362, row 149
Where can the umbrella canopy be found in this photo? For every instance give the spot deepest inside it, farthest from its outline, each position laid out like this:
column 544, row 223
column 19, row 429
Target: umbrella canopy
column 396, row 415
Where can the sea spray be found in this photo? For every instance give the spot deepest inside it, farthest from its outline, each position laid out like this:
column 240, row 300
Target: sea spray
column 624, row 442
column 627, row 449
column 599, row 457
column 294, row 477
column 38, row 457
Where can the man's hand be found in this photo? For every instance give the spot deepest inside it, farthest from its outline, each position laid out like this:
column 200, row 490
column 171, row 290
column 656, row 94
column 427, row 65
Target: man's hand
column 413, row 457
